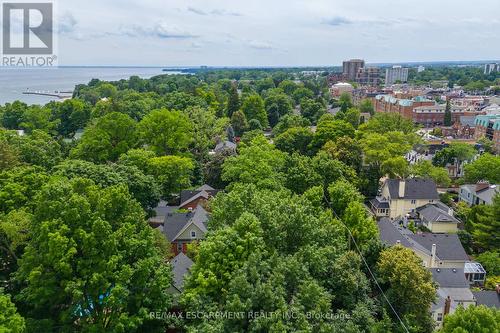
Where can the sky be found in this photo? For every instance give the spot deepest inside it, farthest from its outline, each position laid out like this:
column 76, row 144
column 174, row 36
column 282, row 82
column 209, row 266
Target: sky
column 275, row 32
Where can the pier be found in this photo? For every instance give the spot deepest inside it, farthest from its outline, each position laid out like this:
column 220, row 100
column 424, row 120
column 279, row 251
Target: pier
column 57, row 94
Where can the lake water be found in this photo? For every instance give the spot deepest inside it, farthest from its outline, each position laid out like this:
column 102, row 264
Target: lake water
column 13, row 82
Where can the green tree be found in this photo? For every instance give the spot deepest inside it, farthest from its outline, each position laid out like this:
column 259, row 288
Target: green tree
column 10, row 320
column 301, row 93
column 12, row 114
column 427, row 170
column 91, row 264
column 341, row 194
column 486, row 167
column 39, row 148
column 166, row 132
column 253, row 108
column 362, row 226
column 396, row 167
column 345, row 149
column 311, row 109
column 173, row 173
column 38, row 118
column 259, row 163
column 345, row 102
column 295, row 139
column 331, row 130
column 277, row 105
column 138, row 158
column 233, row 102
column 490, row 261
column 352, row 116
column 109, row 137
column 239, row 123
column 73, row 114
column 290, row 121
column 484, row 223
column 447, row 113
column 143, row 187
column 472, row 319
column 206, row 129
column 388, row 122
column 366, row 106
column 409, row 286
column 10, row 156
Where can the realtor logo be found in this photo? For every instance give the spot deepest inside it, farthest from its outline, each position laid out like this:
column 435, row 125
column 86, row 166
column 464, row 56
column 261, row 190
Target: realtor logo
column 28, row 34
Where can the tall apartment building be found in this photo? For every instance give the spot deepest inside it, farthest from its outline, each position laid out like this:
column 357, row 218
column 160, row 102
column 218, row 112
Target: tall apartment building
column 351, row 68
column 369, row 76
column 395, row 74
column 489, row 68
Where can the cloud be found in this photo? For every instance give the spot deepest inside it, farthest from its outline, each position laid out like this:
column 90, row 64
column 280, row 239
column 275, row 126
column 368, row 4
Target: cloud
column 160, row 30
column 260, row 45
column 337, row 21
column 214, row 12
column 196, row 11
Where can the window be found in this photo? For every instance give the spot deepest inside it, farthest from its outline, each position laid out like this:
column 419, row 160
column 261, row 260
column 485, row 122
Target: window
column 431, row 201
column 193, row 234
column 179, row 246
column 439, row 317
column 413, row 202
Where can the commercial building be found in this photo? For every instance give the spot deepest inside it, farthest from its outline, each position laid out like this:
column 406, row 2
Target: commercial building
column 339, row 88
column 351, row 68
column 369, row 76
column 396, row 74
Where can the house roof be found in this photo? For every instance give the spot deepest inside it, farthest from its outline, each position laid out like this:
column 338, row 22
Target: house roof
column 489, row 298
column 449, row 277
column 225, row 145
column 180, row 267
column 415, row 188
column 390, row 234
column 189, row 195
column 436, row 213
column 176, row 223
column 379, row 202
column 448, row 246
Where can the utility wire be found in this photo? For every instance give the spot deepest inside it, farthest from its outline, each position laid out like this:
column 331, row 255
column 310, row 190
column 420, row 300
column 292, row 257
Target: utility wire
column 366, row 264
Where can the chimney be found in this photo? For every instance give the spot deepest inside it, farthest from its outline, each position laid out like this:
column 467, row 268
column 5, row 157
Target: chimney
column 433, row 256
column 447, row 306
column 402, row 184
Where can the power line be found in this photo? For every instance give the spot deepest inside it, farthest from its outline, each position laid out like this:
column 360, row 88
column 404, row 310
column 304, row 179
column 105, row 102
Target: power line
column 366, row 264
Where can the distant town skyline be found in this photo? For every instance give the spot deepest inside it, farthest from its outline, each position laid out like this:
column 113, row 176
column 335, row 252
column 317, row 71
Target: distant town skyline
column 275, row 33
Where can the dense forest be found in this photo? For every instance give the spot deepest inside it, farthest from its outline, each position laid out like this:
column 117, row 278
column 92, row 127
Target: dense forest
column 288, row 235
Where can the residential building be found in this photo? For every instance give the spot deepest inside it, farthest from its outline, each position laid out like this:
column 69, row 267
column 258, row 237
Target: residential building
column 481, row 193
column 225, row 146
column 368, row 76
column 438, row 218
column 453, row 291
column 489, row 68
column 432, row 115
column 462, row 129
column 402, row 106
column 181, row 264
column 489, row 298
column 435, row 250
column 181, row 228
column 192, row 198
column 488, row 126
column 396, row 74
column 351, row 68
column 423, row 152
column 342, row 87
column 403, row 196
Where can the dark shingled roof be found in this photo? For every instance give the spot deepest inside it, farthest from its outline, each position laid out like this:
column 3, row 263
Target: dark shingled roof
column 415, row 188
column 188, row 194
column 436, row 213
column 390, row 235
column 378, row 203
column 448, row 246
column 175, row 222
column 180, row 267
column 449, row 277
column 489, row 298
